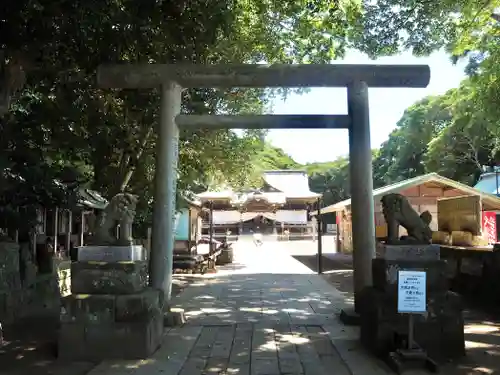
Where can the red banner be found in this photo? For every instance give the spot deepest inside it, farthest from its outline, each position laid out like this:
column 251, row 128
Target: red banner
column 490, row 226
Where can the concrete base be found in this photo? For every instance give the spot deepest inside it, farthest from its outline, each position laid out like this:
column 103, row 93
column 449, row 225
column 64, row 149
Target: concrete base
column 174, row 317
column 349, row 317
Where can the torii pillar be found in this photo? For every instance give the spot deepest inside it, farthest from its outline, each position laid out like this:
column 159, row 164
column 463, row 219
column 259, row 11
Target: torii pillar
column 172, row 77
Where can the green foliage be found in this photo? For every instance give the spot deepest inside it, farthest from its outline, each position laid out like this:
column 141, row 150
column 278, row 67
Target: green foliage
column 402, row 156
column 390, row 26
column 460, row 149
column 447, row 134
column 452, row 134
column 271, row 157
column 60, row 127
column 64, row 125
column 330, row 179
column 444, row 134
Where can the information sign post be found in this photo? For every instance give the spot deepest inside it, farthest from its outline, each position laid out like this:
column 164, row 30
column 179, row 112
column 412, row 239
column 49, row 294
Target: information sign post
column 412, row 300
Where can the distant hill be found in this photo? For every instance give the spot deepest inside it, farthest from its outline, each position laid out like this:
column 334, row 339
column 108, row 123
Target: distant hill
column 273, row 158
column 328, row 178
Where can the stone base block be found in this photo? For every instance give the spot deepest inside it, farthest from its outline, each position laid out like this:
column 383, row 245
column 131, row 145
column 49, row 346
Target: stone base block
column 9, row 266
column 376, row 335
column 110, row 308
column 111, row 253
column 385, row 274
column 409, row 252
column 225, row 257
column 350, row 317
column 383, row 330
column 174, row 317
column 108, row 278
column 84, row 341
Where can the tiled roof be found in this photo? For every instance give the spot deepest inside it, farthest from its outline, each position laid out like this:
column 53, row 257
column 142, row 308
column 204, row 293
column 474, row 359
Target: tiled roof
column 287, row 183
column 295, row 184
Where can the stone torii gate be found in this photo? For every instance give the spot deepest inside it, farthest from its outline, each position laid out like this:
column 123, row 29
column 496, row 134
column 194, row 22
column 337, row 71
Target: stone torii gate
column 172, row 78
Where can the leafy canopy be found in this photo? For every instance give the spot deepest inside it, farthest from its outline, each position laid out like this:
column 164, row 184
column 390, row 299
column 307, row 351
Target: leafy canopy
column 58, row 121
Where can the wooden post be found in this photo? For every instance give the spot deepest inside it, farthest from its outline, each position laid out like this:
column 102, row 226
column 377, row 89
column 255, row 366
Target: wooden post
column 69, row 231
column 240, row 225
column 44, row 221
column 16, row 233
column 190, row 228
column 320, row 239
column 34, row 234
column 314, row 221
column 56, row 228
column 338, row 219
column 82, row 227
column 211, row 236
column 148, row 242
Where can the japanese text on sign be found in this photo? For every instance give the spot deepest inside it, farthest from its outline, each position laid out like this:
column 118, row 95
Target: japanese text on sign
column 411, row 292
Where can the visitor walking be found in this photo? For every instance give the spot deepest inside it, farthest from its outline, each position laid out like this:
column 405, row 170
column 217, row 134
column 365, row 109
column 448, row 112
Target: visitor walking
column 257, row 237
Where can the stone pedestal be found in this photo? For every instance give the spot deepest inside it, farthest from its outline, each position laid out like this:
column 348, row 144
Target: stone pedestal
column 174, row 317
column 409, row 252
column 111, row 253
column 10, row 281
column 99, row 327
column 440, row 332
column 226, row 257
column 108, row 278
column 111, row 313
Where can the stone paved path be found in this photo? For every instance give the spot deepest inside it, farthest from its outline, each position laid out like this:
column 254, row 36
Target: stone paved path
column 266, row 314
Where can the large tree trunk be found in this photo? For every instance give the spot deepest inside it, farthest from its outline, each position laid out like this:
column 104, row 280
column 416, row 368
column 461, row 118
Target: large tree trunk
column 12, row 79
column 128, row 163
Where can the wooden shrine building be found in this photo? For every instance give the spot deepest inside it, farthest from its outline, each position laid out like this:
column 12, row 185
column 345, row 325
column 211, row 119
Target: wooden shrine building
column 280, row 207
column 422, row 192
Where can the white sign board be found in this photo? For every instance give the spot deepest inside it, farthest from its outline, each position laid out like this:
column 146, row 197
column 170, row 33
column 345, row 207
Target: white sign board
column 412, row 292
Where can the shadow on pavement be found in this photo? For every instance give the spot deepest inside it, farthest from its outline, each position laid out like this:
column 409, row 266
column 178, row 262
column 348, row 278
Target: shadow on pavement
column 225, row 299
column 337, row 270
column 30, row 343
column 30, row 347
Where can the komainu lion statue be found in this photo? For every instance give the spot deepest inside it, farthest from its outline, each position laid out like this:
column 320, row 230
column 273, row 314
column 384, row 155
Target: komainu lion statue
column 398, row 211
column 119, row 211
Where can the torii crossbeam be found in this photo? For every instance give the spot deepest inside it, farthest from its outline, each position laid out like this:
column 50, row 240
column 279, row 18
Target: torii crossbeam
column 173, row 78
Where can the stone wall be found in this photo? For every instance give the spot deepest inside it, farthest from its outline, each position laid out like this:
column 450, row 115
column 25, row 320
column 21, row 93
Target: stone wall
column 36, row 294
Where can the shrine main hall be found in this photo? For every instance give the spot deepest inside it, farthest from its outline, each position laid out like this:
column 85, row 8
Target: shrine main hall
column 281, row 206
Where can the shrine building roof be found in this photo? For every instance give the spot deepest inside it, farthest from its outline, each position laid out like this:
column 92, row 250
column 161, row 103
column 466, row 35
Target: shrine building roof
column 490, row 201
column 279, row 186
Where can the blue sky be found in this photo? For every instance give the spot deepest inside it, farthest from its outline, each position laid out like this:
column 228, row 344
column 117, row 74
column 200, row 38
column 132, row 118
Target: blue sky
column 386, row 108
